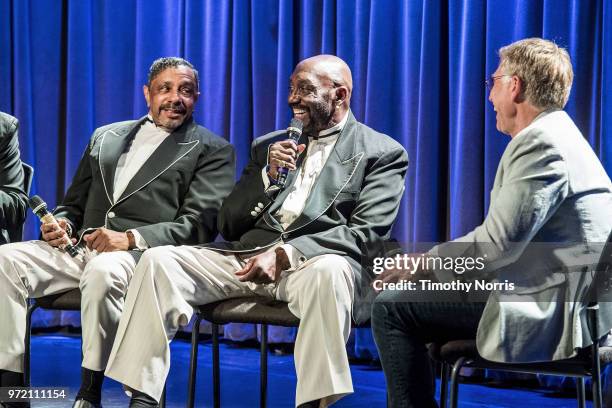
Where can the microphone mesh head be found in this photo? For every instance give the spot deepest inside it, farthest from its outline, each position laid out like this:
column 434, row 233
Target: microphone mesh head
column 296, row 126
column 36, row 202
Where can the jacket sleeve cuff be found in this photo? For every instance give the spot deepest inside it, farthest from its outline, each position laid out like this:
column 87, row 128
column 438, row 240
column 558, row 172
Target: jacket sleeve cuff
column 296, row 258
column 265, row 178
column 140, row 242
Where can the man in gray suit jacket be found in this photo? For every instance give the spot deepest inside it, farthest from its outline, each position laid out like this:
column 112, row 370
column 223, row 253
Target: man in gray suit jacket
column 304, row 246
column 550, row 213
column 13, row 200
column 159, row 180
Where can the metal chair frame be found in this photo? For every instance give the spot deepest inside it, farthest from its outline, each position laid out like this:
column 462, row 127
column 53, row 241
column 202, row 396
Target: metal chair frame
column 581, row 368
column 592, row 369
column 279, row 316
column 33, row 306
column 193, row 362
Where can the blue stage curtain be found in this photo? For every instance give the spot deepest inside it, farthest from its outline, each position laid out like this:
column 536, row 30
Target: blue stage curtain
column 419, row 67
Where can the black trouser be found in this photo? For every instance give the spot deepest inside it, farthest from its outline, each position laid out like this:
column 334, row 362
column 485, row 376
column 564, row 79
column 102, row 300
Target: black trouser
column 401, row 330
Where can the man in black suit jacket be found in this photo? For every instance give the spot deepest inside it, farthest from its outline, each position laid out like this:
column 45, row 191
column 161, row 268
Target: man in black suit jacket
column 304, row 246
column 13, row 199
column 159, row 180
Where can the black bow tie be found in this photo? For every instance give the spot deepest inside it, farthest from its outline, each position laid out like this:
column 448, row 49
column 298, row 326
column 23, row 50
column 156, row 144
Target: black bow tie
column 317, row 137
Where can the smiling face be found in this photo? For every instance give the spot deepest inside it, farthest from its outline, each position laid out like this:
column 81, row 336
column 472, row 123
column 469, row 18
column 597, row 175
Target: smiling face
column 311, row 98
column 502, row 98
column 171, row 97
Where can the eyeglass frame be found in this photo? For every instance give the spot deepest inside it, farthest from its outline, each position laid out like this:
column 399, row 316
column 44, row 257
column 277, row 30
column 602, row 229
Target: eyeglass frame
column 490, row 83
column 303, row 91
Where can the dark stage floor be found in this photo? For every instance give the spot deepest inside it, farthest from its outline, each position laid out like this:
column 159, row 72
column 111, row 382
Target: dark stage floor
column 56, row 362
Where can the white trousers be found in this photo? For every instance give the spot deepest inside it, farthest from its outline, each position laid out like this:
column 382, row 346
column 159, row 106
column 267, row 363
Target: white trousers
column 35, row 269
column 170, row 281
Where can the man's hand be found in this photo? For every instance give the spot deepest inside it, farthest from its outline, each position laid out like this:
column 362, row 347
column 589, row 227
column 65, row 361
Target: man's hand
column 105, row 240
column 265, row 267
column 54, row 233
column 283, row 154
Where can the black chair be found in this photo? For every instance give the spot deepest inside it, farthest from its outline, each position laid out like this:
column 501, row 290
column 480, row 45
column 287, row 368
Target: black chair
column 250, row 310
column 69, row 300
column 457, row 354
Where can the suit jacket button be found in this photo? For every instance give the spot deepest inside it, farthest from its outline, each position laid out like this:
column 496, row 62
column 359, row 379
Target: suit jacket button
column 111, row 215
column 253, row 213
column 285, row 236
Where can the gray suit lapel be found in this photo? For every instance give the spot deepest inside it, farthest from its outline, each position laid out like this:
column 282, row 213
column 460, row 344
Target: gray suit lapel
column 172, row 149
column 113, row 143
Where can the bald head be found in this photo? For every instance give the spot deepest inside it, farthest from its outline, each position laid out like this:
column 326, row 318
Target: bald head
column 329, row 67
column 320, row 92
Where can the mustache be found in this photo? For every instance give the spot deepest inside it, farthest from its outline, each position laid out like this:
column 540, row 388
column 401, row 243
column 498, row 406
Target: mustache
column 176, row 107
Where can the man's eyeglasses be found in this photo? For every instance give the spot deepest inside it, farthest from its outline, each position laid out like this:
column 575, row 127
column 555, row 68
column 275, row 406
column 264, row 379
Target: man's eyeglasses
column 491, row 81
column 305, row 90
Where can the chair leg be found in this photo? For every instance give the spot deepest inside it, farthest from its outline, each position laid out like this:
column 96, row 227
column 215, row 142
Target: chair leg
column 215, row 363
column 454, row 381
column 444, row 385
column 162, row 400
column 27, row 343
column 580, row 392
column 193, row 361
column 263, row 369
column 592, row 313
column 596, row 387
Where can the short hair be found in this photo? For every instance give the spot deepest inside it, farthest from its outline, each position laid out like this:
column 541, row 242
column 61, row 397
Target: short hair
column 544, row 68
column 164, row 63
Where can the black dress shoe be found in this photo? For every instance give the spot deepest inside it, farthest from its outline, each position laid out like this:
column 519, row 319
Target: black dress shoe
column 311, row 404
column 81, row 403
column 140, row 400
column 142, row 404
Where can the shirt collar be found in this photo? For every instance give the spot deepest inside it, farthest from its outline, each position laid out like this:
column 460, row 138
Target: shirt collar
column 150, row 124
column 540, row 116
column 334, row 130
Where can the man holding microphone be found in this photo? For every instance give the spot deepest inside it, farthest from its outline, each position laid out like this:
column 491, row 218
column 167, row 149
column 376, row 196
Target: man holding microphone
column 163, row 158
column 301, row 243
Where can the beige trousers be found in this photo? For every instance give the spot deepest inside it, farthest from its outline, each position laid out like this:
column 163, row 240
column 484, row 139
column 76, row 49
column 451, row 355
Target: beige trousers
column 170, row 281
column 35, row 269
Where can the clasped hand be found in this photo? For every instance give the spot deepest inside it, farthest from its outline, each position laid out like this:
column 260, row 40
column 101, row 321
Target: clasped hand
column 105, row 240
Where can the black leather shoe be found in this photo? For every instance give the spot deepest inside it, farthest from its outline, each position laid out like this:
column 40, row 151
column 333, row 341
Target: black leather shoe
column 81, row 403
column 134, row 403
column 310, row 404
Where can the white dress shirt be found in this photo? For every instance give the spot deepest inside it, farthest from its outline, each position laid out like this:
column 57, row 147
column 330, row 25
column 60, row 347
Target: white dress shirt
column 147, row 140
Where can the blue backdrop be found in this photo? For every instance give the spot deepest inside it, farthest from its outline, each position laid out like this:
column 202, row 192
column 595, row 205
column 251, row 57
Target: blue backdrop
column 67, row 67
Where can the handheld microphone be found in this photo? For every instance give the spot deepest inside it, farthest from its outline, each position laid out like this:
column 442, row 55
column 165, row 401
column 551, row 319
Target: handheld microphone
column 39, row 207
column 294, row 131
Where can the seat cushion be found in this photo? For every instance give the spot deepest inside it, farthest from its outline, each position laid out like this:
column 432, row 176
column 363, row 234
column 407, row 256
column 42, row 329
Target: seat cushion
column 453, row 350
column 70, row 300
column 256, row 310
